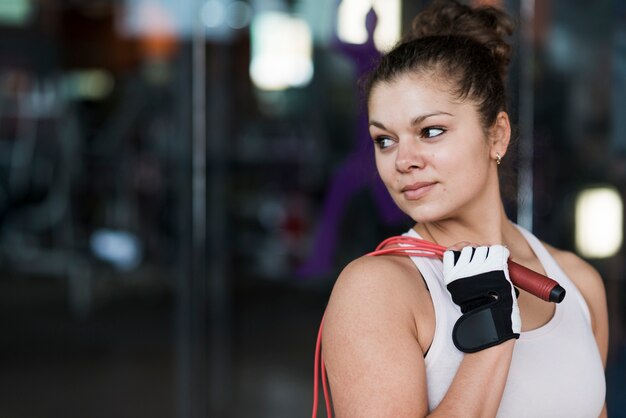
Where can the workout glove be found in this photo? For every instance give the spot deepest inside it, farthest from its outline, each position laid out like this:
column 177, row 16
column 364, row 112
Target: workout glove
column 478, row 281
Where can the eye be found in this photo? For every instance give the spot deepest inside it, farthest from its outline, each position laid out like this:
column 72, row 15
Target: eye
column 432, row 132
column 383, row 142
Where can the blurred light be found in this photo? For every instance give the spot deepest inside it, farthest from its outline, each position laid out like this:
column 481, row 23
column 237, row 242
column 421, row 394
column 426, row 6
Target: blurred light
column 281, row 51
column 387, row 31
column 238, row 14
column 599, row 217
column 15, row 12
column 120, row 248
column 213, row 13
column 562, row 48
column 158, row 41
column 89, row 84
column 351, row 22
column 271, row 214
column 155, row 18
column 183, row 16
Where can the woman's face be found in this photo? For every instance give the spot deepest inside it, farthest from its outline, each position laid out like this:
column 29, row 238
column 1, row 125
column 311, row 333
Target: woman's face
column 431, row 150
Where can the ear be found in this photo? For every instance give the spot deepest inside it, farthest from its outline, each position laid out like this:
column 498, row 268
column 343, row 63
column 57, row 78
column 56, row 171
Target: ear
column 500, row 135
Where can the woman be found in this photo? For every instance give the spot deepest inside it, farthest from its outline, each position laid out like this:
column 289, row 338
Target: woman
column 393, row 340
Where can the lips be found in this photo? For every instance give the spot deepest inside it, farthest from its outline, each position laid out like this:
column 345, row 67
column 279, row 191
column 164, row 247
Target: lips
column 417, row 190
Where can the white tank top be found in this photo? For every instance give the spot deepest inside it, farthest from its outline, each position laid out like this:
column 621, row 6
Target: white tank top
column 556, row 370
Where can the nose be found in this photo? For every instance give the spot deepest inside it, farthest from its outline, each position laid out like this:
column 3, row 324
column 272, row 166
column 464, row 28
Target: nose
column 409, row 156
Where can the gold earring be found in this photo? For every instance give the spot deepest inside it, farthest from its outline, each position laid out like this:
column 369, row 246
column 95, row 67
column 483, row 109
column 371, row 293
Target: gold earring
column 498, row 158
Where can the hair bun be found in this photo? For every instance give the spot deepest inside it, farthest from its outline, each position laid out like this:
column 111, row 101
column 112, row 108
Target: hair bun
column 485, row 24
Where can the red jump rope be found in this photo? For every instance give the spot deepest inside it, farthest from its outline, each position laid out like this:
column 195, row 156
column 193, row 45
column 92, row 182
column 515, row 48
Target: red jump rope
column 537, row 284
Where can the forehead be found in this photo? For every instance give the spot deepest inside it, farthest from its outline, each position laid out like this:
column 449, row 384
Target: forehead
column 400, row 101
column 416, row 90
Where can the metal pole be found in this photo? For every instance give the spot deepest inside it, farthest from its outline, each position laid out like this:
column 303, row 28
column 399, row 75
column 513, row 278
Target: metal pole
column 526, row 116
column 199, row 318
column 180, row 146
column 219, row 107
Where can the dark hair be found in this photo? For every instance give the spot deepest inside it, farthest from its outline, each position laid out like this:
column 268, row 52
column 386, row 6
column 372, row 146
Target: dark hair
column 462, row 45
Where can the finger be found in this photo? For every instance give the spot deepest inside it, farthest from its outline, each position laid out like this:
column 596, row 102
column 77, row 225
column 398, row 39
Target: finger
column 498, row 254
column 480, row 255
column 466, row 256
column 448, row 260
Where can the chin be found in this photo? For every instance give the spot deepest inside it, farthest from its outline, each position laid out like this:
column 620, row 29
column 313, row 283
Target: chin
column 423, row 213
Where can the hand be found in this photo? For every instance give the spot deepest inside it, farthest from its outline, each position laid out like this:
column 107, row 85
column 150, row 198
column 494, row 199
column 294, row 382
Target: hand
column 478, row 281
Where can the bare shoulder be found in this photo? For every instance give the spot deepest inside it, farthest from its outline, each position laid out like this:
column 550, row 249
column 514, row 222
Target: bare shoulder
column 381, row 273
column 376, row 285
column 369, row 341
column 583, row 274
column 585, row 277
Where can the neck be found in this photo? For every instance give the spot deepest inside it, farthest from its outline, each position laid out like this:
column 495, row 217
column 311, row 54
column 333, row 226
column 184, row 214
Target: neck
column 480, row 228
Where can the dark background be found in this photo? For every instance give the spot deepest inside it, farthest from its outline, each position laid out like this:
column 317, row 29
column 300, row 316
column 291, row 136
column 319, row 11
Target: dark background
column 170, row 232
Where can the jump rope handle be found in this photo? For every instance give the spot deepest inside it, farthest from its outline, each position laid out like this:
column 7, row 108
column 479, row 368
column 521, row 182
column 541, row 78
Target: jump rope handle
column 539, row 285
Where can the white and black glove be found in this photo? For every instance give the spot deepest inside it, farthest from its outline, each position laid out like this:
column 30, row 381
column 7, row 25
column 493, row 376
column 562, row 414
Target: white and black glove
column 478, row 280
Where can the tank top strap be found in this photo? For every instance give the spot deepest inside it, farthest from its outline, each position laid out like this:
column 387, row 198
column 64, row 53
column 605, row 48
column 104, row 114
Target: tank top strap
column 431, row 270
column 446, row 311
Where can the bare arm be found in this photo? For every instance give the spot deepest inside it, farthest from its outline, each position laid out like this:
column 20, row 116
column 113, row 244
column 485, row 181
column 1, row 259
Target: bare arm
column 375, row 364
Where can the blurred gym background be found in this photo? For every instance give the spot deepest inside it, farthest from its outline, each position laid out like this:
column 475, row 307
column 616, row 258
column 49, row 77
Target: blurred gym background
column 182, row 180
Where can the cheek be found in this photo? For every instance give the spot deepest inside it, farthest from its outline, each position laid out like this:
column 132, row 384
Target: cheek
column 448, row 163
column 464, row 160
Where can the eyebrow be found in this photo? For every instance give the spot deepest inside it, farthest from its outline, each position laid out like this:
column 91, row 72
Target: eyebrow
column 415, row 121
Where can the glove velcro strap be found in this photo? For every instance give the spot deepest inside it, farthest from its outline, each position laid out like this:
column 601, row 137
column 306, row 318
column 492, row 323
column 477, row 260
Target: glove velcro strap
column 486, row 303
column 482, row 328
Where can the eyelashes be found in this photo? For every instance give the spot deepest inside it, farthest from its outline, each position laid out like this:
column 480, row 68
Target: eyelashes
column 430, row 132
column 383, row 142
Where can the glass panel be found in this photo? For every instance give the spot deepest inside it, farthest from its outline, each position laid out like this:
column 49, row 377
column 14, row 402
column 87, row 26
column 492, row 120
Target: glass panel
column 578, row 139
column 94, row 208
